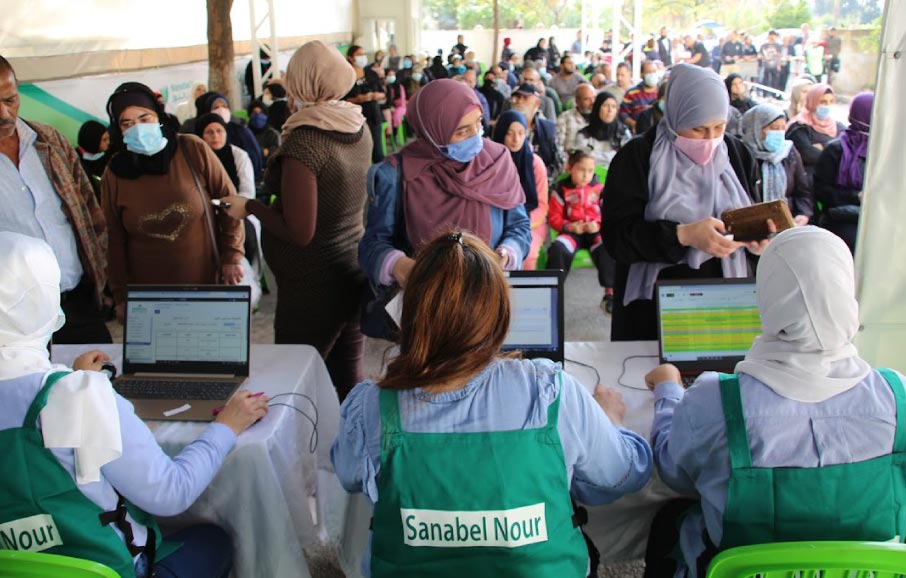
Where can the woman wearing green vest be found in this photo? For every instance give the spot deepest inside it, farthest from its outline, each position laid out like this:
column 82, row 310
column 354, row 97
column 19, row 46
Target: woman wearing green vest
column 80, row 471
column 471, row 457
column 802, row 442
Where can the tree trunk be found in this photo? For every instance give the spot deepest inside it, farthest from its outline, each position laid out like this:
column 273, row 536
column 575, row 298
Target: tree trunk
column 494, row 46
column 220, row 49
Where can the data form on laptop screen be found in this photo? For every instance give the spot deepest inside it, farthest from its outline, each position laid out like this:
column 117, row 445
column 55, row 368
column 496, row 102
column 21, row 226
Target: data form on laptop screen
column 707, row 321
column 176, row 328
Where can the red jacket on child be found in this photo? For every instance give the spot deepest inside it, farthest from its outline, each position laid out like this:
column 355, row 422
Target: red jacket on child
column 570, row 204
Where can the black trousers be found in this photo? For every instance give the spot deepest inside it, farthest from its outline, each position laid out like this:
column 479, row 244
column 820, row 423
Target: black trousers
column 84, row 318
column 560, row 257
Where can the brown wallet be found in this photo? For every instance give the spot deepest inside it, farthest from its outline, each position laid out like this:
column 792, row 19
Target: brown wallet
column 750, row 223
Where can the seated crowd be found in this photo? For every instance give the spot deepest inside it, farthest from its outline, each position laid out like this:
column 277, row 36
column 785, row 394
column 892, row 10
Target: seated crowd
column 546, row 158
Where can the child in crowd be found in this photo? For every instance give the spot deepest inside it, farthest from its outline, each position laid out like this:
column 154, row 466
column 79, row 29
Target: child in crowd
column 575, row 213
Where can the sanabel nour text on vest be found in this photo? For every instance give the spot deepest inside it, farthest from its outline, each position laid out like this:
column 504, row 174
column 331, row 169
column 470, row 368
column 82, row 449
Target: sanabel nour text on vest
column 471, row 457
column 802, row 442
column 75, row 454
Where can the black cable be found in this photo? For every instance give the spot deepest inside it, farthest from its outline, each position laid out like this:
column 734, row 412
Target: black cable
column 313, row 441
column 620, row 379
column 591, row 367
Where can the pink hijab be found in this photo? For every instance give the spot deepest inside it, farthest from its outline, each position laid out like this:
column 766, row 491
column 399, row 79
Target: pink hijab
column 439, row 193
column 827, row 126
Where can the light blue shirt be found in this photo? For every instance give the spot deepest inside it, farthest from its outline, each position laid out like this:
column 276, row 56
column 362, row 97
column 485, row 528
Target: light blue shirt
column 144, row 474
column 32, row 207
column 603, row 462
column 689, row 436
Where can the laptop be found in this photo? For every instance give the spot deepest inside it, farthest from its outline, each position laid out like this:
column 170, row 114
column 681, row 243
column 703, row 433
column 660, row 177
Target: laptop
column 706, row 324
column 185, row 349
column 536, row 314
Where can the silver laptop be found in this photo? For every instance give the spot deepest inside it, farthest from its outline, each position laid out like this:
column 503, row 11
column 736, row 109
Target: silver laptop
column 185, row 349
column 706, row 324
column 536, row 314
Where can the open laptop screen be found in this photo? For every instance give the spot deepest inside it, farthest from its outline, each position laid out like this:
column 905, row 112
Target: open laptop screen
column 536, row 314
column 707, row 324
column 194, row 329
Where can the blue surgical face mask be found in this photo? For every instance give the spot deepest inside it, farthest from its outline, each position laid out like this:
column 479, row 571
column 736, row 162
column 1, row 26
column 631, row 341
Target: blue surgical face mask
column 144, row 138
column 407, row 64
column 662, row 105
column 258, row 120
column 460, row 70
column 390, row 80
column 822, row 112
column 417, row 76
column 773, row 140
column 650, row 79
column 511, row 67
column 93, row 156
column 465, row 150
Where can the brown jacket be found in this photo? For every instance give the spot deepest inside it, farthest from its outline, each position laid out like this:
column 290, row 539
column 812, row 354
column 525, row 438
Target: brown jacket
column 61, row 162
column 159, row 231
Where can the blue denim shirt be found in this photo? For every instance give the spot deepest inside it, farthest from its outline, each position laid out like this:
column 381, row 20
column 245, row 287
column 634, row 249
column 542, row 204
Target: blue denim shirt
column 511, row 228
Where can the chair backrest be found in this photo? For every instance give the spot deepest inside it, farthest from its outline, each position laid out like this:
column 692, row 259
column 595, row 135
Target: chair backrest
column 14, row 564
column 806, row 559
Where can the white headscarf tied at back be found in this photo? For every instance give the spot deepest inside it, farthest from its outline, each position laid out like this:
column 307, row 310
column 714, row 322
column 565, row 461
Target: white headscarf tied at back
column 81, row 410
column 680, row 190
column 809, row 317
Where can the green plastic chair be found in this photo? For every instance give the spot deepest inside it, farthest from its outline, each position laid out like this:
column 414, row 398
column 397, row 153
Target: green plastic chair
column 242, row 113
column 812, row 560
column 384, row 126
column 15, row 564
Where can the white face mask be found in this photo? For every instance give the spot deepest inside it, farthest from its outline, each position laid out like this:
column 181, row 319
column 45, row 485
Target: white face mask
column 267, row 100
column 361, row 61
column 224, row 113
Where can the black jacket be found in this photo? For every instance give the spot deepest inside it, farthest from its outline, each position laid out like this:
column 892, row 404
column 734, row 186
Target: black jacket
column 629, row 238
column 840, row 206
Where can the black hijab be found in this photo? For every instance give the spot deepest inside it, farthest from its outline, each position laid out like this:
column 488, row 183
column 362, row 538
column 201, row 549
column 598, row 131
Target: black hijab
column 604, row 131
column 524, row 158
column 225, row 153
column 89, row 140
column 741, row 104
column 123, row 162
column 437, row 69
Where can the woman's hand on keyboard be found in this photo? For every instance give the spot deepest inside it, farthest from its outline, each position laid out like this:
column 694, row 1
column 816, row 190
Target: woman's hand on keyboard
column 242, row 410
column 662, row 373
column 90, row 361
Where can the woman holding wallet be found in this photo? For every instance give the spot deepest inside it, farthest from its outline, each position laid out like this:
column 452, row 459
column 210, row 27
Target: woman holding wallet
column 665, row 193
column 156, row 197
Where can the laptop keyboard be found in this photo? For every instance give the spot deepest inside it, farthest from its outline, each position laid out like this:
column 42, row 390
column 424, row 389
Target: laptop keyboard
column 688, row 380
column 170, row 389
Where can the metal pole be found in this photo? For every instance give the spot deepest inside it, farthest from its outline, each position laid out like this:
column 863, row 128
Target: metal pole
column 256, row 57
column 615, row 38
column 637, row 40
column 274, row 70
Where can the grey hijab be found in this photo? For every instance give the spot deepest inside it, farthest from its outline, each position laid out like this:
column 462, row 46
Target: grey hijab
column 773, row 175
column 680, row 190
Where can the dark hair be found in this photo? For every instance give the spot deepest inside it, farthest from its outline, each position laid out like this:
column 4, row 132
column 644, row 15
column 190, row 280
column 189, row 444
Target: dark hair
column 565, row 57
column 456, row 313
column 276, row 89
column 5, row 66
column 352, row 50
column 623, row 64
column 577, row 156
column 257, row 103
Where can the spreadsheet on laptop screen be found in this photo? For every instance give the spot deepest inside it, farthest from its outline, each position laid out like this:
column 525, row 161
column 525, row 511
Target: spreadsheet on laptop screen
column 178, row 327
column 707, row 321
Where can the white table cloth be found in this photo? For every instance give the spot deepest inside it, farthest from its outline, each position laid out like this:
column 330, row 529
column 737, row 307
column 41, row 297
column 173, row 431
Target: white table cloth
column 266, row 494
column 619, row 530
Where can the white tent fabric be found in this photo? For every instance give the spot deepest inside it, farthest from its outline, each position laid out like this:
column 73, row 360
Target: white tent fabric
column 53, row 39
column 881, row 245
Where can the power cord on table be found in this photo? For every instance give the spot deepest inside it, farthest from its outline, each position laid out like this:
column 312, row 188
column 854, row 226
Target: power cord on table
column 619, row 379
column 313, row 441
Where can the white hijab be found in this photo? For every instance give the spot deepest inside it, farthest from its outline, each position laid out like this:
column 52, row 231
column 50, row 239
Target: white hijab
column 81, row 410
column 809, row 317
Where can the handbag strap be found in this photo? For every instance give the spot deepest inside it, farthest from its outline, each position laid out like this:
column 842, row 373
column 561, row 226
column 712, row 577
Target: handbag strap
column 208, row 217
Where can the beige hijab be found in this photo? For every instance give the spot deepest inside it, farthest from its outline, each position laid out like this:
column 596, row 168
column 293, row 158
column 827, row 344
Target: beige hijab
column 317, row 78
